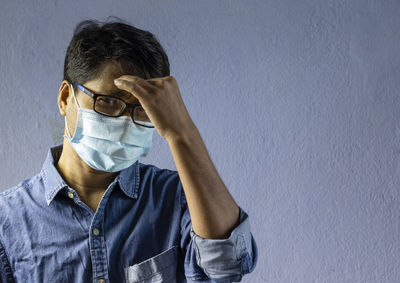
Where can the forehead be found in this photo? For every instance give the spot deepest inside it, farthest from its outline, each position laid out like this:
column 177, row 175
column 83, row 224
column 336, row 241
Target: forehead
column 104, row 84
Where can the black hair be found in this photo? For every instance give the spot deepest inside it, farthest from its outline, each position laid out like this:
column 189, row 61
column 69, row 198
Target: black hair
column 95, row 43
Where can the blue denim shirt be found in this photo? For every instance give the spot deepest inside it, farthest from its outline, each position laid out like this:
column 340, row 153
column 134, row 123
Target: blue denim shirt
column 141, row 232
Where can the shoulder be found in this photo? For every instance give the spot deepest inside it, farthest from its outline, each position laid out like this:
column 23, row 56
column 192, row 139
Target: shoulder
column 17, row 197
column 19, row 190
column 162, row 180
column 149, row 171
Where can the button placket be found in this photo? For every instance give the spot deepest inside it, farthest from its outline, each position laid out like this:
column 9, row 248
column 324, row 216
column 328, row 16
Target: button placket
column 97, row 243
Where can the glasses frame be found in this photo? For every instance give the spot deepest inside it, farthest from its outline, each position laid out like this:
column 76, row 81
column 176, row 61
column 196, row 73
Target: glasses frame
column 95, row 96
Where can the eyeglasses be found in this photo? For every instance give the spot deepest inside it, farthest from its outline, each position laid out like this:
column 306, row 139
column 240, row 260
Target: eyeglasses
column 112, row 106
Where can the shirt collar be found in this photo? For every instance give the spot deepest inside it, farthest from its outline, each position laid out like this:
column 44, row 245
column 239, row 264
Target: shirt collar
column 128, row 179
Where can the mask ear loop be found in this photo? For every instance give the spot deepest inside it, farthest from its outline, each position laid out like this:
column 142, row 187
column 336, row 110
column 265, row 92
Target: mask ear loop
column 65, row 117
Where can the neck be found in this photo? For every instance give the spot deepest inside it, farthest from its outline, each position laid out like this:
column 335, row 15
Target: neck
column 80, row 176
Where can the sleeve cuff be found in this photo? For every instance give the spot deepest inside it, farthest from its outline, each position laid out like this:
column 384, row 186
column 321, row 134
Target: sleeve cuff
column 223, row 258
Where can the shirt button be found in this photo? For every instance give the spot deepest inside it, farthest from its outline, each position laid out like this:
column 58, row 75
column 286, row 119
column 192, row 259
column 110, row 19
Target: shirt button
column 101, row 281
column 96, row 232
column 71, row 195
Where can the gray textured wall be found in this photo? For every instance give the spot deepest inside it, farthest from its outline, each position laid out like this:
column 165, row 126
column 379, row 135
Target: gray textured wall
column 297, row 102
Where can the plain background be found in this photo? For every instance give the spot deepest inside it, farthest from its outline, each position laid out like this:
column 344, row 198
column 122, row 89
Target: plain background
column 296, row 101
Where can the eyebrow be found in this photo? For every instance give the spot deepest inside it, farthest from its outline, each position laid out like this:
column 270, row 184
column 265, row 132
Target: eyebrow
column 122, row 94
column 117, row 93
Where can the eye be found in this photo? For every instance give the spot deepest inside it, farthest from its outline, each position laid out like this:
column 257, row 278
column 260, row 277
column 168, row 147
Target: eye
column 108, row 101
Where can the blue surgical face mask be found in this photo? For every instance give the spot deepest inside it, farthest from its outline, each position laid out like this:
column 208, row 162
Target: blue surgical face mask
column 108, row 144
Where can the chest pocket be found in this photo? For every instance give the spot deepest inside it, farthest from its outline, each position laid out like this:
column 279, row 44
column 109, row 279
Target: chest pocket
column 160, row 268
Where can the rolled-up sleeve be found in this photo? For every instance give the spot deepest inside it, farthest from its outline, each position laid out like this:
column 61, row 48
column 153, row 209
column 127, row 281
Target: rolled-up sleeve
column 220, row 260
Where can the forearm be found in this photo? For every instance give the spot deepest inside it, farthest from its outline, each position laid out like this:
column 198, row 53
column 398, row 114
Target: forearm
column 213, row 211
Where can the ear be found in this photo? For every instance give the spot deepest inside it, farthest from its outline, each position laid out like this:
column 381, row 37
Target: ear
column 64, row 97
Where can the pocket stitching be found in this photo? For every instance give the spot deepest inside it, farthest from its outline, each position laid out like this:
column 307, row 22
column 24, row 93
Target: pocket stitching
column 148, row 275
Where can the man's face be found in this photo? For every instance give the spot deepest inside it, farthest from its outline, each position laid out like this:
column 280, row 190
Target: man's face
column 101, row 85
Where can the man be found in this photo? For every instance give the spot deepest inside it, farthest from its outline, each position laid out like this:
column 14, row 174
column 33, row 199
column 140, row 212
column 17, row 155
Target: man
column 94, row 213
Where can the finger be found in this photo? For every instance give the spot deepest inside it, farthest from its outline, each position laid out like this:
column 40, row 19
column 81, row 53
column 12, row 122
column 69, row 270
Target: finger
column 132, row 87
column 158, row 82
column 149, row 86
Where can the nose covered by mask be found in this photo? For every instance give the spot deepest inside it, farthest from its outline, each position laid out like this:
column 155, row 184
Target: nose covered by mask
column 108, row 144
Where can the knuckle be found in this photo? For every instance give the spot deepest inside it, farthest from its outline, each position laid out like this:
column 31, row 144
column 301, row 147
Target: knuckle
column 170, row 79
